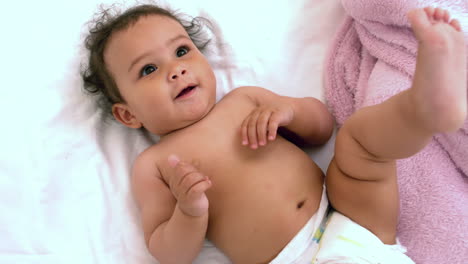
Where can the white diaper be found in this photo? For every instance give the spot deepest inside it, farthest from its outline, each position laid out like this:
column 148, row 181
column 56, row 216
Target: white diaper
column 330, row 237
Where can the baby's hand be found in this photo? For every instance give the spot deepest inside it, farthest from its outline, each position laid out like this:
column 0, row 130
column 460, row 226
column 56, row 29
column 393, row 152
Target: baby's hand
column 263, row 123
column 188, row 186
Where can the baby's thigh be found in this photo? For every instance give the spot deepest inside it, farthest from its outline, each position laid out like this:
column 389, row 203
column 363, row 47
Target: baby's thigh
column 362, row 187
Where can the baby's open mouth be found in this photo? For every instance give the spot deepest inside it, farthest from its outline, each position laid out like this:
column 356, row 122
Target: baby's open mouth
column 186, row 91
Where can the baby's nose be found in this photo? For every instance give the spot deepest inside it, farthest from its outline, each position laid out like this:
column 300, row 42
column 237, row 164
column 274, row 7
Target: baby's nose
column 177, row 72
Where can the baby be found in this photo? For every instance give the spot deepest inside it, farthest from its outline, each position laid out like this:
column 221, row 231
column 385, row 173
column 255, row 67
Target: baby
column 228, row 171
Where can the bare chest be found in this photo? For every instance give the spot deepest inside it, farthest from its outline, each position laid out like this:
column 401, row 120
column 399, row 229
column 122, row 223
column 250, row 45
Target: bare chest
column 253, row 185
column 214, row 143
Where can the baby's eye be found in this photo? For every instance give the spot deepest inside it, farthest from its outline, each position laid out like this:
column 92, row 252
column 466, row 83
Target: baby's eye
column 182, row 51
column 147, row 69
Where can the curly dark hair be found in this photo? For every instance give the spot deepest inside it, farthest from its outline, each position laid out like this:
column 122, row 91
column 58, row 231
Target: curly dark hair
column 108, row 20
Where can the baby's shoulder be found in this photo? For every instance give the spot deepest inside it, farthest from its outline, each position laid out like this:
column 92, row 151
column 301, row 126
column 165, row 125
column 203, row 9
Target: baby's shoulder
column 244, row 93
column 146, row 161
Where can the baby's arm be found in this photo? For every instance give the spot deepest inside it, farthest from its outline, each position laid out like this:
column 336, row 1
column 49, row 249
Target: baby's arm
column 307, row 118
column 171, row 235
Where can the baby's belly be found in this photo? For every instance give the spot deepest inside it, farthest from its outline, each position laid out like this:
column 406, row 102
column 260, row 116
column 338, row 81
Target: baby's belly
column 256, row 210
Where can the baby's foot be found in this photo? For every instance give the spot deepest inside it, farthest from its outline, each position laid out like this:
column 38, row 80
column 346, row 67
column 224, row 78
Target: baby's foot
column 439, row 85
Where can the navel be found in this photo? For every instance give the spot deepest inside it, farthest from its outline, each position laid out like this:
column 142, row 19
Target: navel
column 300, row 204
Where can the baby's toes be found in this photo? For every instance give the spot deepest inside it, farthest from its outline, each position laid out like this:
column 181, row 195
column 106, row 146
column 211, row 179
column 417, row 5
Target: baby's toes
column 446, row 16
column 439, row 14
column 420, row 22
column 429, row 11
column 456, row 25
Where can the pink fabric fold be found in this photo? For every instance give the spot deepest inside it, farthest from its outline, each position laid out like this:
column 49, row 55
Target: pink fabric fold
column 372, row 58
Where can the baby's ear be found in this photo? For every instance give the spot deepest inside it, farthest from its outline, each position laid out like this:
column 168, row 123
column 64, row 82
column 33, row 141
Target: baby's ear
column 124, row 115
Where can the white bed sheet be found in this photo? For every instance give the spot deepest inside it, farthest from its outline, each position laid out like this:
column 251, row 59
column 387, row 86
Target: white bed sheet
column 64, row 173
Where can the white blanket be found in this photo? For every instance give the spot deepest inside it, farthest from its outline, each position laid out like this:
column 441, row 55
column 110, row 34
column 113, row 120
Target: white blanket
column 64, row 173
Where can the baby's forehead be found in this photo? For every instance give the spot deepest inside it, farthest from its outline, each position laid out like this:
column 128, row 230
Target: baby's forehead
column 153, row 21
column 148, row 32
column 155, row 27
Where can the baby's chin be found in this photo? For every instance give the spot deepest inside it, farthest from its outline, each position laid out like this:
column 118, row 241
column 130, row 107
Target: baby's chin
column 195, row 113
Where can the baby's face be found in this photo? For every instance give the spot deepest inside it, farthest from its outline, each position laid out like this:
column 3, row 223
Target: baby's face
column 166, row 82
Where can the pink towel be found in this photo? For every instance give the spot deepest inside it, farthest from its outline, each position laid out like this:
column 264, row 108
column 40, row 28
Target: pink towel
column 372, row 58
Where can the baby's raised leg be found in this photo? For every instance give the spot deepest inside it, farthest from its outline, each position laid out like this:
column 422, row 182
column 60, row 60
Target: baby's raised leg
column 436, row 102
column 362, row 177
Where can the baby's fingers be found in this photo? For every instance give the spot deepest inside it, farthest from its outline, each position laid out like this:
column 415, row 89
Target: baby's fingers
column 252, row 130
column 198, row 188
column 273, row 125
column 249, row 130
column 262, row 127
column 194, row 183
column 244, row 136
column 181, row 170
